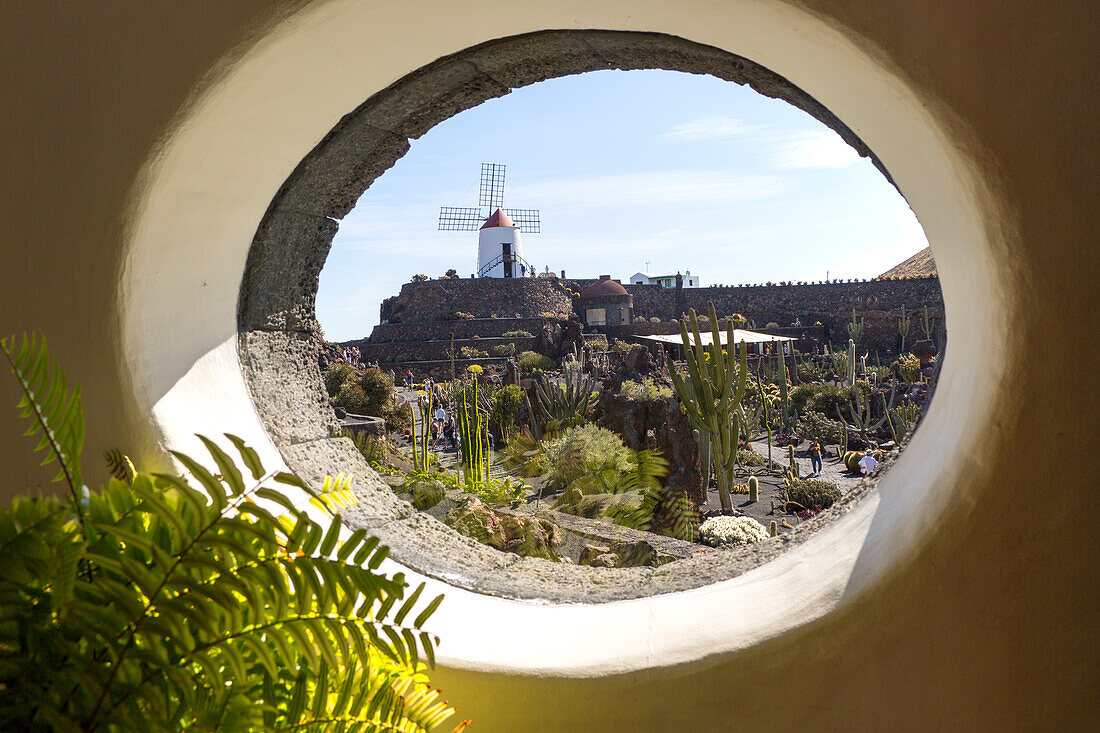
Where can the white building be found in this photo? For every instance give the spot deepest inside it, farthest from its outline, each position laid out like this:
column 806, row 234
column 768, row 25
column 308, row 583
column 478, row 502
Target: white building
column 500, row 249
column 665, row 281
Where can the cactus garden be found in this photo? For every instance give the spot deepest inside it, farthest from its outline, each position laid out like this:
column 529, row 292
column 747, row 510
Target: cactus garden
column 618, row 454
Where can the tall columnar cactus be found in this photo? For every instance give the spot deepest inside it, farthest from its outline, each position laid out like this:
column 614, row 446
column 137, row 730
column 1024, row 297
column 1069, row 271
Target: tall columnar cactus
column 850, row 377
column 711, row 395
column 904, row 322
column 475, row 440
column 420, row 450
column 706, row 459
column 927, row 324
column 773, row 529
column 784, row 396
column 754, row 489
column 855, row 328
column 767, row 414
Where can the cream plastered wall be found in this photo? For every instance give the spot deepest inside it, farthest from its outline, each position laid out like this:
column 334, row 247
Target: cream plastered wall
column 138, row 144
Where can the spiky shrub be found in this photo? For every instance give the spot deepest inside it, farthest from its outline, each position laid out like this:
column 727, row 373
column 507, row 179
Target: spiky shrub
column 646, row 390
column 503, row 350
column 337, row 376
column 569, row 403
column 201, row 601
column 812, row 492
column 505, row 412
column 517, row 335
column 711, row 392
column 731, row 531
column 585, row 450
column 815, row 425
column 749, row 458
column 529, row 361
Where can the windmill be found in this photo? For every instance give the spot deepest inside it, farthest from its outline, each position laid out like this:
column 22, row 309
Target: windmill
column 500, row 249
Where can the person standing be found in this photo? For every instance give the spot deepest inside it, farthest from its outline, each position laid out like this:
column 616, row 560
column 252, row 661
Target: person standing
column 815, row 456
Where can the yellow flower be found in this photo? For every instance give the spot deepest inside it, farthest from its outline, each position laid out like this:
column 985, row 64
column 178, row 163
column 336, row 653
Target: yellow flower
column 475, row 369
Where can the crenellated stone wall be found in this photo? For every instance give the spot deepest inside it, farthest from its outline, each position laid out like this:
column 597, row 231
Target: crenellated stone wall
column 426, row 310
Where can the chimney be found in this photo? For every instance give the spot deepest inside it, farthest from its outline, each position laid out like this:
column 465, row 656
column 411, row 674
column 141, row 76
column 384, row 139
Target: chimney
column 605, row 277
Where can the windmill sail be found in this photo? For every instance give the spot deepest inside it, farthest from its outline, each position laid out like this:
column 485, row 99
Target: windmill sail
column 526, row 219
column 492, row 185
column 460, row 219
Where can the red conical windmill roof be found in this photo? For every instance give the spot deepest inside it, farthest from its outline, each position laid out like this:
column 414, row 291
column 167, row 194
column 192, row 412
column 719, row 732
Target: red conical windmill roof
column 498, row 219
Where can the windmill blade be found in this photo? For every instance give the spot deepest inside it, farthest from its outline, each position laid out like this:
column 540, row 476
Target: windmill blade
column 492, row 186
column 526, row 219
column 460, row 219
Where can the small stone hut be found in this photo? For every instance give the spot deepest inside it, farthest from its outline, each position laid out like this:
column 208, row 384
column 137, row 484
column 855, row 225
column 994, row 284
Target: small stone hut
column 606, row 303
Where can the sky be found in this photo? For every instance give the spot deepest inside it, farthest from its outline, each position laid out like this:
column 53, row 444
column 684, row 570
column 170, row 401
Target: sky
column 632, row 171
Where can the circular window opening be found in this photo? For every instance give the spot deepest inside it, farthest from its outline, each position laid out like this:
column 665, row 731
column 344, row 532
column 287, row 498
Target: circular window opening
column 555, row 539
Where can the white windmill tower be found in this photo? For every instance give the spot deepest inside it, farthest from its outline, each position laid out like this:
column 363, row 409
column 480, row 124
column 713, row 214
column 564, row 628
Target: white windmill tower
column 500, row 247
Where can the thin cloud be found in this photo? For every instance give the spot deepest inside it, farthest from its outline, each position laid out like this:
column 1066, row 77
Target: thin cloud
column 818, row 149
column 711, row 127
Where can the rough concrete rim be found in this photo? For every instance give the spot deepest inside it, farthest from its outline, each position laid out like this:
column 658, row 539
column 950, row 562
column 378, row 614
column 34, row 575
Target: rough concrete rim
column 277, row 323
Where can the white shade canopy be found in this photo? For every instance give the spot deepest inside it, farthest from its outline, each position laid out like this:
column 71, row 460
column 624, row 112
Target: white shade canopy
column 739, row 336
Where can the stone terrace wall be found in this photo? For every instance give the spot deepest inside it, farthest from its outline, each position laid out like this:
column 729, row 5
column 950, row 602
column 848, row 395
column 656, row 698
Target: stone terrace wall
column 421, row 307
column 411, row 351
column 442, row 330
column 877, row 301
column 434, row 300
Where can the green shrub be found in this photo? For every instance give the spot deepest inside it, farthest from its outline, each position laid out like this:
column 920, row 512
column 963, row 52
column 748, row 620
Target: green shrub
column 816, row 425
column 517, row 335
column 503, row 350
column 748, row 457
column 810, row 372
column 823, row 398
column 506, row 406
column 337, row 375
column 907, row 367
column 771, row 324
column 378, row 390
column 644, row 391
column 586, row 450
column 472, row 352
column 529, row 361
column 654, row 319
column 813, row 492
column 351, row 398
column 179, row 602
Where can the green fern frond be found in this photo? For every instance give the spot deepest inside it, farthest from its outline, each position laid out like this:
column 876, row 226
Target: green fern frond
column 206, row 612
column 53, row 410
column 120, row 465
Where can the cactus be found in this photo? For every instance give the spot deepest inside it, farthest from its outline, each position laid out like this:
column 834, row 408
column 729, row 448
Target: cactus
column 420, row 451
column 475, row 441
column 792, row 464
column 855, row 328
column 702, row 438
column 711, row 395
column 767, row 415
column 565, row 402
column 860, row 412
column 927, row 324
column 773, row 529
column 754, row 489
column 904, row 322
column 784, row 396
